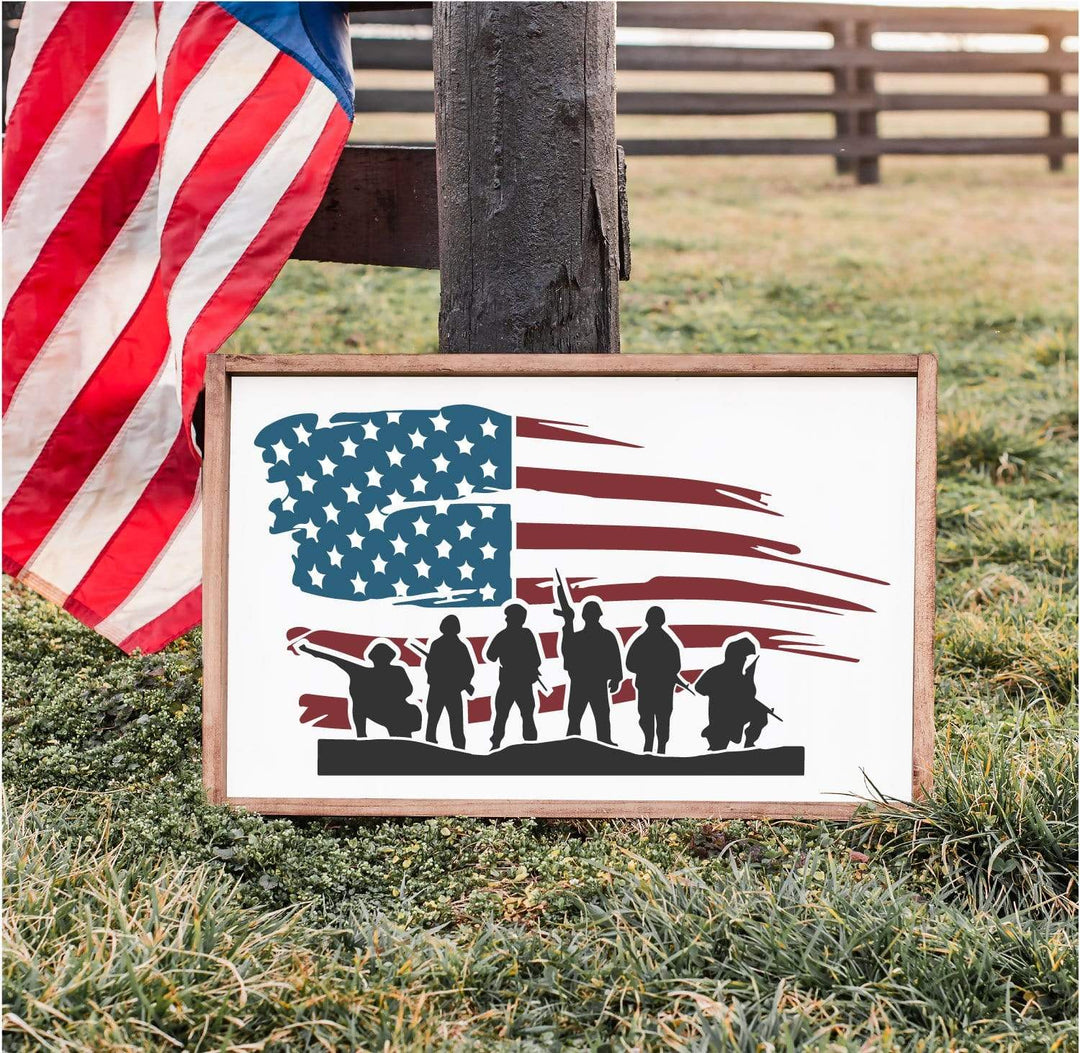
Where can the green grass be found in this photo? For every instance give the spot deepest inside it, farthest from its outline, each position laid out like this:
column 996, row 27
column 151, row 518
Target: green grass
column 139, row 917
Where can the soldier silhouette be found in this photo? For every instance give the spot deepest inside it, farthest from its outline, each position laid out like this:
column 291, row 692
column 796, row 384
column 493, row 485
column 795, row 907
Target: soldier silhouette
column 655, row 661
column 449, row 667
column 515, row 649
column 733, row 704
column 379, row 692
column 593, row 664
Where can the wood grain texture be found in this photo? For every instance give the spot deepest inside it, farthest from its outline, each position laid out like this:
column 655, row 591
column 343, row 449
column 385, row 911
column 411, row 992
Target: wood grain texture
column 527, row 174
column 380, row 207
column 925, row 576
column 215, row 493
column 539, row 365
column 215, row 550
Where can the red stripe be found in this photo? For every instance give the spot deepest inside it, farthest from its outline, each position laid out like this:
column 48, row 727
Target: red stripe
column 531, row 428
column 201, row 35
column 235, row 147
column 79, row 241
column 666, row 539
column 181, row 617
column 87, row 428
column 661, row 589
column 641, row 488
column 138, row 541
column 255, row 271
column 69, row 55
column 325, row 711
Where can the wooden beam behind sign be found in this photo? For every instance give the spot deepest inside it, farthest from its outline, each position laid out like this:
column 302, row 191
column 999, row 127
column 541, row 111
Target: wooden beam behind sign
column 379, row 208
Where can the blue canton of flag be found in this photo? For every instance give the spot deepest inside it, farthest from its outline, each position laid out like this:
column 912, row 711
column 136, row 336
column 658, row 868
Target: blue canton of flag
column 390, row 504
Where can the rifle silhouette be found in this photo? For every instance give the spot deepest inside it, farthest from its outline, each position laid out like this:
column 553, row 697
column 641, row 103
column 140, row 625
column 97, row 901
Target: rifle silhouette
column 564, row 610
column 772, row 712
column 686, row 687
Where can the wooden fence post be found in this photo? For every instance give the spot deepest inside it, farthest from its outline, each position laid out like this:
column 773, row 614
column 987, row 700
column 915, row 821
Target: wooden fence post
column 527, row 176
column 843, row 34
column 867, row 168
column 1054, row 84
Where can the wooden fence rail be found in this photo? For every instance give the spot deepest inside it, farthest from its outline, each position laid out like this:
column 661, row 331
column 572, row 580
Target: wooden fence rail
column 852, row 62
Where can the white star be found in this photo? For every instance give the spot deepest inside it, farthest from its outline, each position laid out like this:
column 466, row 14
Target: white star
column 444, row 548
column 417, row 438
column 309, row 528
column 487, row 511
column 419, row 484
column 358, row 584
column 400, row 545
column 466, row 571
column 445, row 591
column 465, row 530
column 378, row 564
column 331, row 513
column 351, row 494
column 393, row 418
column 420, row 525
column 302, row 434
column 374, row 478
column 316, row 578
column 440, row 422
column 371, row 430
column 288, row 504
column 488, row 469
column 487, row 592
column 327, row 466
column 464, row 445
column 489, row 427
column 376, row 519
column 307, row 484
column 394, row 455
column 355, row 539
column 464, row 488
column 281, row 450
column 441, row 463
column 488, row 551
column 335, row 557
column 348, row 448
column 400, row 588
column 442, row 506
column 422, row 569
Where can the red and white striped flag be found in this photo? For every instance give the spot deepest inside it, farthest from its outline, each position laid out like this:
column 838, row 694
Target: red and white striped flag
column 159, row 164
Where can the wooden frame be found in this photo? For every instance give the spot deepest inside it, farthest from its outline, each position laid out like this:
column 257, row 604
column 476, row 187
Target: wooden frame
column 219, row 372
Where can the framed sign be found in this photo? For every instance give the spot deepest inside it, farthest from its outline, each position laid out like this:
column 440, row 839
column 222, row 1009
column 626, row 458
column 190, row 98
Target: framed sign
column 568, row 584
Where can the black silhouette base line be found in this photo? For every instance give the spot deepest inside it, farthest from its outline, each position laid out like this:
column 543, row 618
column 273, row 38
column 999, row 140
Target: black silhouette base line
column 574, row 756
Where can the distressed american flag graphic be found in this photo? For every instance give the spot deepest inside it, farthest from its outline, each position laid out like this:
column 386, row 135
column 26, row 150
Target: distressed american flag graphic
column 400, row 505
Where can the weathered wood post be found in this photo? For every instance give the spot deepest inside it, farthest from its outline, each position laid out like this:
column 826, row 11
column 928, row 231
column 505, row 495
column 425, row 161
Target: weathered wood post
column 867, row 168
column 527, row 176
column 1054, row 85
column 843, row 83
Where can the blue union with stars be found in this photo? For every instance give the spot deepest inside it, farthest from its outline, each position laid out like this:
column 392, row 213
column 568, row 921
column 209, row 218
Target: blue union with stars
column 391, row 504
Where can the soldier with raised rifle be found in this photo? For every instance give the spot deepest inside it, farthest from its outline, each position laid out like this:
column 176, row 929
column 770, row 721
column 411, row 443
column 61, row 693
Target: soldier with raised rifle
column 593, row 663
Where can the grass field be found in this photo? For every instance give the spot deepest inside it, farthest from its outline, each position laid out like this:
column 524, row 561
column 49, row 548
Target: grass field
column 138, row 917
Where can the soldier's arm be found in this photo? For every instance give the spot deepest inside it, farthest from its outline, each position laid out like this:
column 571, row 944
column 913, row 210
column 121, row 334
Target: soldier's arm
column 492, row 652
column 343, row 663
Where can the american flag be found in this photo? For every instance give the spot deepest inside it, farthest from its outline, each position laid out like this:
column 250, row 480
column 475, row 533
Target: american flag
column 159, row 164
column 398, row 504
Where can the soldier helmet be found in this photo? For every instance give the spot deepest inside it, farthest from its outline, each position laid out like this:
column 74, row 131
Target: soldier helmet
column 381, row 654
column 450, row 625
column 591, row 611
column 515, row 615
column 655, row 617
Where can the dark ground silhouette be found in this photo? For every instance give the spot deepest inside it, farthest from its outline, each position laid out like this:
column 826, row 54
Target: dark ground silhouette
column 561, row 757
